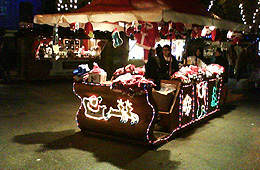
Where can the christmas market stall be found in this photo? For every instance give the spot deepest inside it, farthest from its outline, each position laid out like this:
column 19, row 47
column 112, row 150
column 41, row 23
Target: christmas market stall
column 128, row 106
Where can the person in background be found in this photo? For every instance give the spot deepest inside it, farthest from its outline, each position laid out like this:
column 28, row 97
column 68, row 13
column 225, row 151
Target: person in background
column 220, row 59
column 200, row 60
column 152, row 69
column 167, row 63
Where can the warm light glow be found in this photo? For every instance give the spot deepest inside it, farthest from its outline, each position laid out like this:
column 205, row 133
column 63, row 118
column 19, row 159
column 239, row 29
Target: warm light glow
column 211, row 28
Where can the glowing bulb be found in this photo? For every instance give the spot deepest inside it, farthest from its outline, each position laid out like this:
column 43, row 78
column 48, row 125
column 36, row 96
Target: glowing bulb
column 60, row 1
column 66, row 5
column 58, row 4
column 211, row 28
column 75, row 7
column 76, row 1
column 71, row 6
column 240, row 5
column 62, row 6
column 58, row 9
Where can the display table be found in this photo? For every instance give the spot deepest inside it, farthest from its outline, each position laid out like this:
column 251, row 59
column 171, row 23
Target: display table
column 145, row 118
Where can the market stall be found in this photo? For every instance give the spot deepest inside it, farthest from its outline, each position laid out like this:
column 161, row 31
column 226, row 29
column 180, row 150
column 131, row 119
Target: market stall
column 127, row 106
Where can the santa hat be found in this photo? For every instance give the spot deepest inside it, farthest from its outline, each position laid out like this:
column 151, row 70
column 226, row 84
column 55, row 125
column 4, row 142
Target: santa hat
column 74, row 26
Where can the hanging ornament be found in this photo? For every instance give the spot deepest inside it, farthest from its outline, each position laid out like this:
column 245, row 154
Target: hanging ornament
column 196, row 32
column 205, row 31
column 148, row 35
column 214, row 101
column 74, row 26
column 165, row 29
column 117, row 40
column 88, row 30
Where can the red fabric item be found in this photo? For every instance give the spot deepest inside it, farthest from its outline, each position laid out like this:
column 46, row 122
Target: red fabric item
column 96, row 69
column 165, row 29
column 85, row 44
column 148, row 35
column 88, row 30
column 196, row 32
column 179, row 27
column 213, row 35
column 130, row 31
column 146, row 54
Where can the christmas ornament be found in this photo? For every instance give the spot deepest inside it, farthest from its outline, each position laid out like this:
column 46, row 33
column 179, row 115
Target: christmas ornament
column 117, row 41
column 88, row 30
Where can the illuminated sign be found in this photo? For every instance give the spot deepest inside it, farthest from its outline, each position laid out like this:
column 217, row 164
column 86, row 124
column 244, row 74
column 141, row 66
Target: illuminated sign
column 94, row 110
column 186, row 108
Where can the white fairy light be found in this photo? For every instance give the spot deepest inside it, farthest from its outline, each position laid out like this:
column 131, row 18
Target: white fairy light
column 242, row 13
column 211, row 5
column 75, row 7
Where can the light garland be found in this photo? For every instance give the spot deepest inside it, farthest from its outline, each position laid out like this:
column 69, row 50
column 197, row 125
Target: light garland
column 67, row 5
column 210, row 5
column 187, row 103
column 242, row 13
column 256, row 11
column 214, row 101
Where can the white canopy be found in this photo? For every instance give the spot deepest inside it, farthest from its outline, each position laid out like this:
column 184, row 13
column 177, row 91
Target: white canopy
column 100, row 11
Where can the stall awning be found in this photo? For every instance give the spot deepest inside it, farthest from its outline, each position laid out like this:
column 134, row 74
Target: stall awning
column 186, row 11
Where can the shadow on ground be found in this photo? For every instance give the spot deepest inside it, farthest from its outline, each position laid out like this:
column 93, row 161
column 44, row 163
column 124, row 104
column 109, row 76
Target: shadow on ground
column 193, row 128
column 117, row 153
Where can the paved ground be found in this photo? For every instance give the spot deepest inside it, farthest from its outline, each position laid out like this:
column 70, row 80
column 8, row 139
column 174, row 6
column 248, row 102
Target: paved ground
column 39, row 131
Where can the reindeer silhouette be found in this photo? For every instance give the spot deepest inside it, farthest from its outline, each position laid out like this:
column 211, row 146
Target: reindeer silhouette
column 124, row 111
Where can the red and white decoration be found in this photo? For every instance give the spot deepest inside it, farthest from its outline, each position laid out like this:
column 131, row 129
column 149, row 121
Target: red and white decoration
column 148, row 35
column 189, row 73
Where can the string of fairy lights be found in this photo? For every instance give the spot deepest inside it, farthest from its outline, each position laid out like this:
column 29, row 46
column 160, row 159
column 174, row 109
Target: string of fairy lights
column 68, row 5
column 254, row 19
column 210, row 5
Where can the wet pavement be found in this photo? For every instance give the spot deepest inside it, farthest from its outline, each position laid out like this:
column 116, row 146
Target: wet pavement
column 39, row 131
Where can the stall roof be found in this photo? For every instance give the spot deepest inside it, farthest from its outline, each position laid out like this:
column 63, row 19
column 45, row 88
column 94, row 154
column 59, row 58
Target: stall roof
column 185, row 11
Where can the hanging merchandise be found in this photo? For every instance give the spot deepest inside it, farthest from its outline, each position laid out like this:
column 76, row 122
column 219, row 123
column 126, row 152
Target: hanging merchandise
column 117, row 40
column 214, row 35
column 148, row 35
column 165, row 29
column 130, row 31
column 230, row 34
column 74, row 26
column 171, row 34
column 88, row 30
column 237, row 36
column 205, row 32
column 196, row 32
